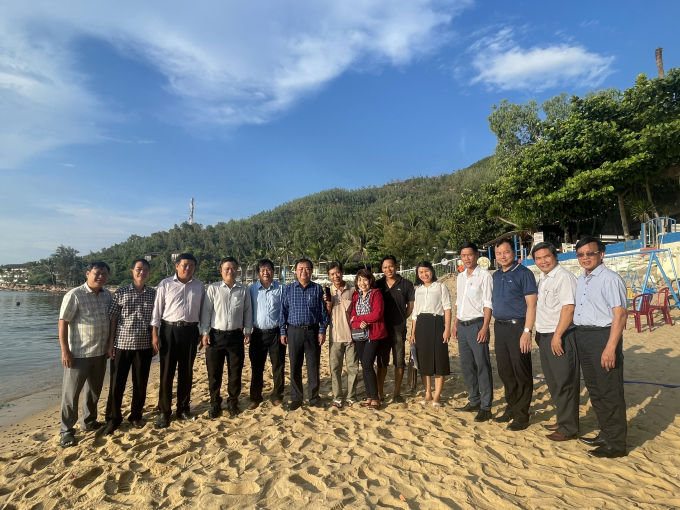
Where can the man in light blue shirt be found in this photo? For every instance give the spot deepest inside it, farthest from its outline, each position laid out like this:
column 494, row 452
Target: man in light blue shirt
column 600, row 317
column 265, row 296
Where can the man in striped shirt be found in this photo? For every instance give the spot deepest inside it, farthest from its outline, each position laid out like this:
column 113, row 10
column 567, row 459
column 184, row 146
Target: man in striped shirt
column 84, row 339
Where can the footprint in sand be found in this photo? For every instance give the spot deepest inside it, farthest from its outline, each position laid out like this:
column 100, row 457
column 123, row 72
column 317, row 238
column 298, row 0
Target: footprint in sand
column 125, row 482
column 83, row 481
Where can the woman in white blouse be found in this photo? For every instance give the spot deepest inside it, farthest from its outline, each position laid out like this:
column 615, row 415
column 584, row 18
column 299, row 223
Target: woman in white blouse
column 431, row 331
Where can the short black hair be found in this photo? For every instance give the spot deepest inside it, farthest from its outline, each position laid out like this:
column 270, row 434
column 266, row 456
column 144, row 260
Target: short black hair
column 388, row 257
column 506, row 240
column 472, row 246
column 304, row 260
column 185, row 256
column 589, row 239
column 98, row 264
column 427, row 264
column 544, row 246
column 263, row 262
column 142, row 260
column 228, row 259
column 334, row 265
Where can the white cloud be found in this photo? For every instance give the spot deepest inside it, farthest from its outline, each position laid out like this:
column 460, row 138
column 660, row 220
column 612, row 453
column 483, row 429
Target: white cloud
column 228, row 63
column 503, row 64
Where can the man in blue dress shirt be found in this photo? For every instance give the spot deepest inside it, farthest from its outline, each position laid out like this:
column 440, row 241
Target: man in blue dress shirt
column 303, row 323
column 265, row 295
column 514, row 301
column 600, row 317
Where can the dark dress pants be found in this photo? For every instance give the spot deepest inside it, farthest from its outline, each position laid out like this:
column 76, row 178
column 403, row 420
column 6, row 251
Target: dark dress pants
column 514, row 369
column 139, row 360
column 304, row 344
column 605, row 387
column 178, row 353
column 368, row 351
column 475, row 363
column 263, row 345
column 563, row 376
column 225, row 345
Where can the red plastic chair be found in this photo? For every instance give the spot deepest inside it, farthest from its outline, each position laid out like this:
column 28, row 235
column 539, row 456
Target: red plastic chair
column 663, row 306
column 640, row 309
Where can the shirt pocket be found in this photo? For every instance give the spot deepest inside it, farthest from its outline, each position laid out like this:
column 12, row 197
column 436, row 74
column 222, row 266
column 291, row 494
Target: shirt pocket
column 472, row 292
column 551, row 299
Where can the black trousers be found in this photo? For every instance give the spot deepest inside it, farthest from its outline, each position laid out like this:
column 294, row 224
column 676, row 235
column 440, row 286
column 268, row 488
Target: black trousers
column 368, row 351
column 514, row 369
column 225, row 345
column 605, row 387
column 140, row 362
column 563, row 376
column 304, row 344
column 261, row 346
column 177, row 353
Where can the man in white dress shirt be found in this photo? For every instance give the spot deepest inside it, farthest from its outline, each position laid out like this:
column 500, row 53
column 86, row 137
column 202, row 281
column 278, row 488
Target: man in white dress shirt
column 556, row 339
column 175, row 336
column 226, row 312
column 471, row 328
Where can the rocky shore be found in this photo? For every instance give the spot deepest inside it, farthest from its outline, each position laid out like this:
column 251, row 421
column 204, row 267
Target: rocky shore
column 24, row 287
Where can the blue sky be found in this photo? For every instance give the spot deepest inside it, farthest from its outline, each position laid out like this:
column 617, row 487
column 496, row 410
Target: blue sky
column 116, row 114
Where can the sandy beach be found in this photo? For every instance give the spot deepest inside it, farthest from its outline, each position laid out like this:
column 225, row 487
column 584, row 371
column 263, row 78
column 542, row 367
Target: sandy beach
column 402, row 456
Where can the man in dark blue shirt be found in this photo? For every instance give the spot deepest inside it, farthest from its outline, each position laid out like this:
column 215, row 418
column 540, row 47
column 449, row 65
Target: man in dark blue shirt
column 303, row 323
column 514, row 301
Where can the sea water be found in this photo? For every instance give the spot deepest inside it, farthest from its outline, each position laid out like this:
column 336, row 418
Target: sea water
column 30, row 357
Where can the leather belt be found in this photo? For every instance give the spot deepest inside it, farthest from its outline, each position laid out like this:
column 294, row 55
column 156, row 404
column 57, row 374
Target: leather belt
column 507, row 322
column 476, row 320
column 273, row 330
column 592, row 328
column 227, row 331
column 306, row 328
column 181, row 324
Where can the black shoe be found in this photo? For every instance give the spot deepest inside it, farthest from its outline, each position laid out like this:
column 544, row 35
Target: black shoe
column 317, row 404
column 95, row 425
column 607, row 452
column 162, row 422
column 138, row 424
column 468, row 408
column 233, row 412
column 294, row 405
column 214, row 412
column 398, row 399
column 503, row 418
column 109, row 429
column 516, row 426
column 186, row 416
column 593, row 441
column 483, row 416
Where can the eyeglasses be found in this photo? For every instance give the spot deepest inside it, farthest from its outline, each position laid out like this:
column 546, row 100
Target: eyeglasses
column 587, row 254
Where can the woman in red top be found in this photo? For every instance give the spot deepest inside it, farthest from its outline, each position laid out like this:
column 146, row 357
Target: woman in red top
column 367, row 314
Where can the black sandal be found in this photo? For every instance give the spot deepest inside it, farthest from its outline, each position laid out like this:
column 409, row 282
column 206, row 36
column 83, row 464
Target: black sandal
column 67, row 440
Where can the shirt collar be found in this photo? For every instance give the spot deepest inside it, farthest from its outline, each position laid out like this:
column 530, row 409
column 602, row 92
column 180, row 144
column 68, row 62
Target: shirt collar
column 553, row 272
column 236, row 284
column 595, row 272
column 176, row 279
column 475, row 271
column 132, row 287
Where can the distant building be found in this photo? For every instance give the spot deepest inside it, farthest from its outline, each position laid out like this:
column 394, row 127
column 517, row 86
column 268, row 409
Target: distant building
column 14, row 273
column 150, row 256
column 175, row 254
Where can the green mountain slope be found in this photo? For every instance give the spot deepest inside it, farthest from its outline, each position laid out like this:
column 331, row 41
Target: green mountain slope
column 412, row 219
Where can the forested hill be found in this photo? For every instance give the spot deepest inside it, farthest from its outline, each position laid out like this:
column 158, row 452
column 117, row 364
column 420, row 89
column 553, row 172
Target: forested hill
column 412, row 219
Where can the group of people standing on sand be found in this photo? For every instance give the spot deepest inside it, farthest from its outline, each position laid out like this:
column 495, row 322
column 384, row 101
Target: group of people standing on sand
column 578, row 323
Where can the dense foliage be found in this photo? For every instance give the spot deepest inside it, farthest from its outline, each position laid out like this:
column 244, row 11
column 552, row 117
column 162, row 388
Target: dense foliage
column 412, row 219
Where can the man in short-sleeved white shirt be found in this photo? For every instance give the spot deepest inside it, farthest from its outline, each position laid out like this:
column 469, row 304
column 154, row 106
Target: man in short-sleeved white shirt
column 556, row 339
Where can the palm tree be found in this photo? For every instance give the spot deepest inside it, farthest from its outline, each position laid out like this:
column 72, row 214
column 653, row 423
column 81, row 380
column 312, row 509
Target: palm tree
column 359, row 240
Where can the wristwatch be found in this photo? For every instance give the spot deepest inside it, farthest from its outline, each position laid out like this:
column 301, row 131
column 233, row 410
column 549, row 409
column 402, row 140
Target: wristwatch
column 527, row 330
